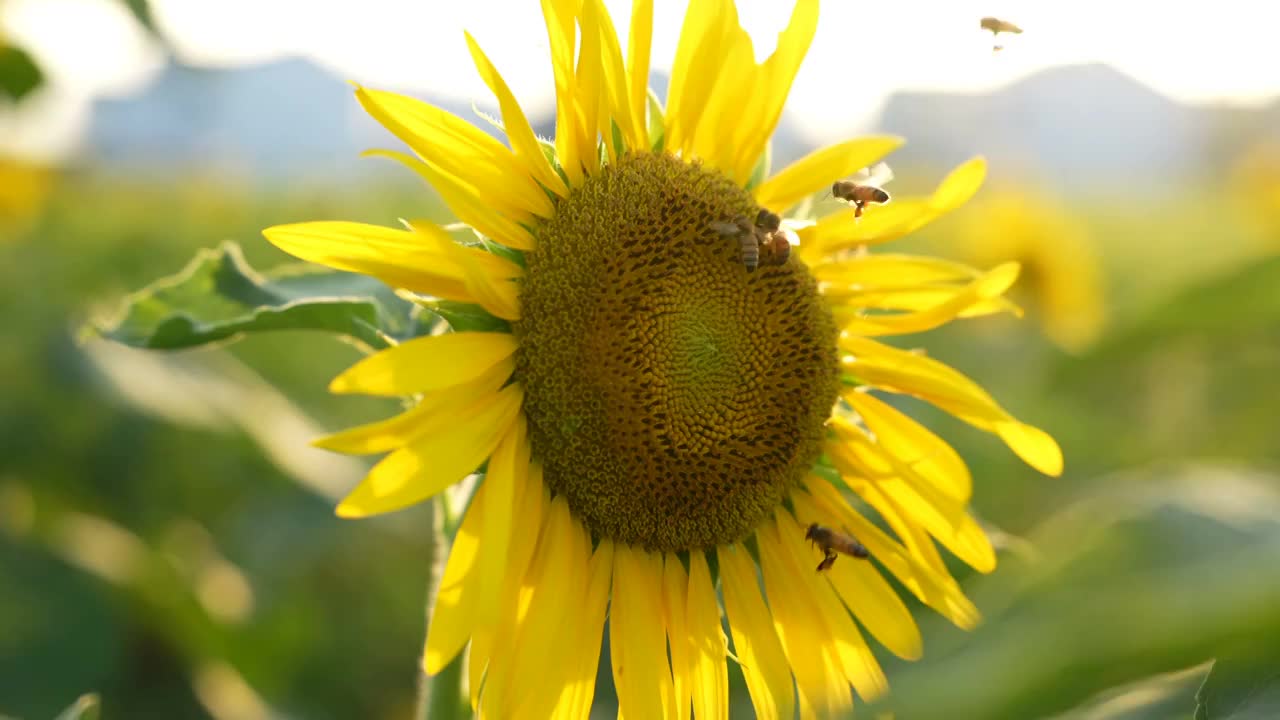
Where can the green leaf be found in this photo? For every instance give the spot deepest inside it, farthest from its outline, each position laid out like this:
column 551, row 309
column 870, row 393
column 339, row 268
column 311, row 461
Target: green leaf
column 1155, row 572
column 219, row 297
column 85, row 708
column 1242, row 686
column 19, row 74
column 463, row 317
column 141, row 11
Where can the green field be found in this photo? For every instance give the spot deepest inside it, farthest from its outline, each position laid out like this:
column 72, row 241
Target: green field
column 167, row 538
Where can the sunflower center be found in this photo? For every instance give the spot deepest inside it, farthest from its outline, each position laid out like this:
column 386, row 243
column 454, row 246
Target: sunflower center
column 673, row 396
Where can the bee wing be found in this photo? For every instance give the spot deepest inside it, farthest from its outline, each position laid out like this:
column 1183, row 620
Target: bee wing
column 875, row 176
column 725, row 228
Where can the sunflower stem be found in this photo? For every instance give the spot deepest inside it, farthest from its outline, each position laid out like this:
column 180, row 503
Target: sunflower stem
column 440, row 696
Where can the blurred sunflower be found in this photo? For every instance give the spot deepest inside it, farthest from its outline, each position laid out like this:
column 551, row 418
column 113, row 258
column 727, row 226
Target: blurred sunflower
column 653, row 418
column 24, row 190
column 1255, row 182
column 1061, row 276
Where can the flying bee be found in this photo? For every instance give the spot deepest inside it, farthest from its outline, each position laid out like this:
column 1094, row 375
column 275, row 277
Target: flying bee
column 833, row 541
column 746, row 235
column 997, row 26
column 865, row 189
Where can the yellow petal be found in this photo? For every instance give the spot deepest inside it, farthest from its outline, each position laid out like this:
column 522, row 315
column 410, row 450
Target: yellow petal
column 944, row 518
column 500, row 298
column 986, row 287
column 532, row 499
column 710, row 668
column 469, row 203
column 860, row 667
column 817, row 170
column 1035, row 446
column 849, row 304
column 959, row 185
column 640, row 39
column 935, row 589
column 519, row 132
column 460, row 149
column 797, row 618
column 453, row 617
column 893, row 270
column 778, row 72
column 590, row 86
column 914, row 537
column 560, row 17
column 640, row 670
column 616, row 95
column 433, row 362
column 508, row 470
column 727, row 100
column 696, row 68
column 865, row 592
column 764, row 666
column 432, row 413
column 910, row 373
column 432, row 463
column 392, row 256
column 580, row 688
column 675, row 602
column 914, row 445
column 541, row 658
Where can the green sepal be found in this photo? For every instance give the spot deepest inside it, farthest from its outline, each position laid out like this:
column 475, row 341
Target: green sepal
column 761, row 171
column 466, row 317
column 219, row 297
column 503, row 251
column 657, row 124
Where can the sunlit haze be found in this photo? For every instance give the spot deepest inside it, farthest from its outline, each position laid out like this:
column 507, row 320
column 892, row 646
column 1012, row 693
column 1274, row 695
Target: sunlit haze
column 862, row 52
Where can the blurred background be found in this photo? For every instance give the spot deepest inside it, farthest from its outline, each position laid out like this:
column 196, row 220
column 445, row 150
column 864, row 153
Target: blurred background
column 167, row 537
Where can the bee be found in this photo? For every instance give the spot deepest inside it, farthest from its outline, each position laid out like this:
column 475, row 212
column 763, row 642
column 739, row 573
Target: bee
column 741, row 230
column 833, row 541
column 775, row 248
column 997, row 26
column 763, row 243
column 865, row 189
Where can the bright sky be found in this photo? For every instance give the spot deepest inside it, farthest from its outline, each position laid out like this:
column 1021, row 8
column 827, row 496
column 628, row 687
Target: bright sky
column 864, row 49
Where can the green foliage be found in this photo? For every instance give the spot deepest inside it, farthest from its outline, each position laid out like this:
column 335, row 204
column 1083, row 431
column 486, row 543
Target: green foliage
column 218, row 296
column 1130, row 579
column 1155, row 572
column 1244, row 685
column 85, row 708
column 1242, row 302
column 141, row 11
column 19, row 74
column 464, row 317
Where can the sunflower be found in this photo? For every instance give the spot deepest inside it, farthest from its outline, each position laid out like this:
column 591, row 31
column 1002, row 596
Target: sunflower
column 1061, row 273
column 657, row 425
